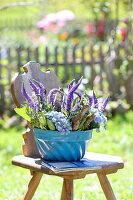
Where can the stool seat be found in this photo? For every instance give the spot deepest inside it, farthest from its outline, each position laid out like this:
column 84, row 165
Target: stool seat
column 99, row 163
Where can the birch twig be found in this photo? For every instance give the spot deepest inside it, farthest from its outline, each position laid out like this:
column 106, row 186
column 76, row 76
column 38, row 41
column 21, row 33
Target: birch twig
column 78, row 118
column 88, row 120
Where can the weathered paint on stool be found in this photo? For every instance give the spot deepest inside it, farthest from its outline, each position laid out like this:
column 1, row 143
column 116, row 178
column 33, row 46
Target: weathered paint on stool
column 53, row 145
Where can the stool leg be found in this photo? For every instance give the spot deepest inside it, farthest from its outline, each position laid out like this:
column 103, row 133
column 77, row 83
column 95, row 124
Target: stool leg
column 67, row 189
column 107, row 189
column 33, row 184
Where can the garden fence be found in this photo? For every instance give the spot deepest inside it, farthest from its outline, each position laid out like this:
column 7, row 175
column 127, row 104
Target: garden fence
column 29, row 23
column 95, row 62
column 17, row 24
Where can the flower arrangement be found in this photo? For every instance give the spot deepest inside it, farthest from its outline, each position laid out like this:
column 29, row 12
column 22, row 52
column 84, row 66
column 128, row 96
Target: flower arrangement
column 62, row 112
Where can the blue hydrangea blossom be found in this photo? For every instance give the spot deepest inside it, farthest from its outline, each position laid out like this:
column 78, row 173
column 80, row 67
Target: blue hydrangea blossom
column 60, row 121
column 99, row 118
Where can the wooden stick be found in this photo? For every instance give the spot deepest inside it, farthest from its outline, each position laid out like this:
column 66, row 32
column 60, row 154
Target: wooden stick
column 88, row 120
column 79, row 117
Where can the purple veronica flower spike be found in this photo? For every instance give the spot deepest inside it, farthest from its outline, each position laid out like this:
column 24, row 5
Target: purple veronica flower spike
column 77, row 103
column 34, row 87
column 63, row 105
column 71, row 84
column 104, row 104
column 70, row 96
column 95, row 100
column 27, row 97
column 42, row 89
column 90, row 101
column 36, row 107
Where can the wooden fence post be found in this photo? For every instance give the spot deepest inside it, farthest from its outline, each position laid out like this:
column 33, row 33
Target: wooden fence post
column 66, row 64
column 28, row 54
column 2, row 98
column 0, row 65
column 92, row 67
column 19, row 58
column 37, row 54
column 83, row 60
column 46, row 57
column 113, row 80
column 74, row 61
column 101, row 57
column 9, row 64
column 56, row 60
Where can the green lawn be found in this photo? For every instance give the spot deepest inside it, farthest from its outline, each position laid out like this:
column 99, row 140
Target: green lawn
column 118, row 140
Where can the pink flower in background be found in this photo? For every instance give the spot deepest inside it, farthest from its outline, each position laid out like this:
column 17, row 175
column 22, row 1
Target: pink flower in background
column 48, row 19
column 100, row 28
column 42, row 39
column 34, row 41
column 33, row 37
column 123, row 32
column 126, row 20
column 90, row 28
column 64, row 16
column 41, row 24
column 54, row 28
column 122, row 29
column 59, row 18
column 33, row 34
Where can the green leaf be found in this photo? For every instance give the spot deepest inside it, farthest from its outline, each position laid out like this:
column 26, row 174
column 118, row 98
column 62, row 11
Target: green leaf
column 42, row 118
column 50, row 125
column 23, row 113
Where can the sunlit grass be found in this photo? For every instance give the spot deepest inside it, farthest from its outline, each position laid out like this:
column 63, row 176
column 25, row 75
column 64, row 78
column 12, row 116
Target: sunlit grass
column 118, row 140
